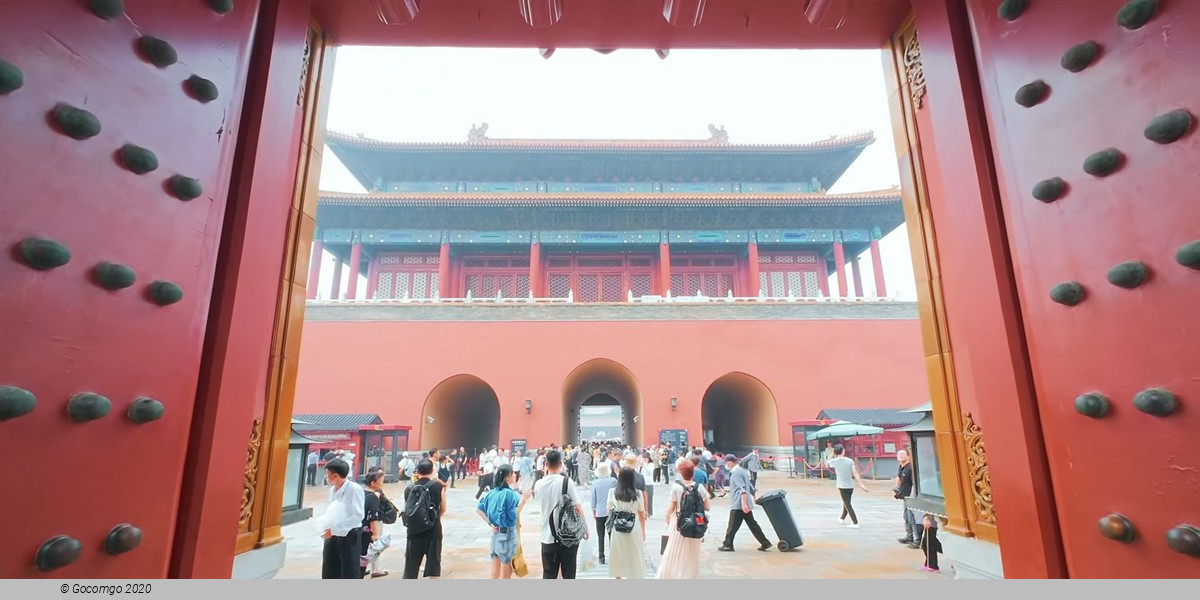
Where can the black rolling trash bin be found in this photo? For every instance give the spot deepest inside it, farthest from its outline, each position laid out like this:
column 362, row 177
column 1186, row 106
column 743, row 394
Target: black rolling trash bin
column 774, row 503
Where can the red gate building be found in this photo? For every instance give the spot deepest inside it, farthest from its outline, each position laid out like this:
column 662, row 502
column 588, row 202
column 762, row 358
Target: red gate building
column 559, row 274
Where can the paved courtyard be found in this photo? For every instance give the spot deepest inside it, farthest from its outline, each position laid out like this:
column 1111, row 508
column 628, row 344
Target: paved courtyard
column 831, row 551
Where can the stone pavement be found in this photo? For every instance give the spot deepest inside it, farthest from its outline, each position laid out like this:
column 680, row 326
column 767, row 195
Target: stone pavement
column 830, row 551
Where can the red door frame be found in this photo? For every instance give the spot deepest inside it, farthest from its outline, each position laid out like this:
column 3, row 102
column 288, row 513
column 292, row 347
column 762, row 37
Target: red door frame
column 984, row 311
column 234, row 368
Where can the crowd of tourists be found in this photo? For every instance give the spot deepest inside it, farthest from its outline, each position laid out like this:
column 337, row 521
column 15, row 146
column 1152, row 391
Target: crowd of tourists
column 610, row 479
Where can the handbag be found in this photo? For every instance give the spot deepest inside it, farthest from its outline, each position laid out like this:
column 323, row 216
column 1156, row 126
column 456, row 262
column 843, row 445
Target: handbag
column 621, row 520
column 520, row 567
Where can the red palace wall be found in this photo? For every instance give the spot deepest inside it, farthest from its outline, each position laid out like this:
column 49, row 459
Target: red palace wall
column 390, row 368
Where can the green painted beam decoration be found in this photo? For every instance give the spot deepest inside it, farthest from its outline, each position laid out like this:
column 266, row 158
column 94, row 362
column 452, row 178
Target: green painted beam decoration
column 708, row 237
column 794, row 236
column 490, row 237
column 603, row 238
column 399, row 236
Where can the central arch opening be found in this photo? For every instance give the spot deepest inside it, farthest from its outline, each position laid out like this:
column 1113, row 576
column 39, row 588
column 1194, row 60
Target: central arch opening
column 601, row 419
column 739, row 413
column 602, row 395
column 461, row 411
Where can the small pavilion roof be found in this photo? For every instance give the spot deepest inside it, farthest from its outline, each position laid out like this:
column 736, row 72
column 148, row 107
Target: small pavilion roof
column 349, row 422
column 542, row 199
column 878, row 417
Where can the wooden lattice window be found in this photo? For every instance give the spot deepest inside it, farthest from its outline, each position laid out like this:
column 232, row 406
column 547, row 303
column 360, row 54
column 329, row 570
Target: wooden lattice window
column 711, row 276
column 795, row 274
column 599, row 278
column 402, row 276
column 492, row 276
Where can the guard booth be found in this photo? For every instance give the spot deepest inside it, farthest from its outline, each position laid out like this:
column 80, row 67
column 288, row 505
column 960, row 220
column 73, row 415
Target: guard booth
column 806, row 455
column 383, row 446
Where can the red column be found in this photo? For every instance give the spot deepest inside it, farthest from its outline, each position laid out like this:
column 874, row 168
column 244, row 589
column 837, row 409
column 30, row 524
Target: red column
column 314, row 268
column 877, row 264
column 664, row 266
column 355, row 264
column 823, row 277
column 752, row 289
column 839, row 263
column 372, row 278
column 535, row 269
column 335, row 289
column 857, row 274
column 444, row 270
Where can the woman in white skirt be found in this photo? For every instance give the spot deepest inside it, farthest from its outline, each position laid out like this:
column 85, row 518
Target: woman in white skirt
column 627, row 549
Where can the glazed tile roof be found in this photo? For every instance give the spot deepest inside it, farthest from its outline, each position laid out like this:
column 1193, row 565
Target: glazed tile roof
column 878, row 417
column 552, row 199
column 600, row 146
column 336, row 422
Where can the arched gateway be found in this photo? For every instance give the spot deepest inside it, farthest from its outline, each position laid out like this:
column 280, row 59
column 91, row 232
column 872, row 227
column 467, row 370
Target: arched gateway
column 461, row 411
column 738, row 413
column 593, row 387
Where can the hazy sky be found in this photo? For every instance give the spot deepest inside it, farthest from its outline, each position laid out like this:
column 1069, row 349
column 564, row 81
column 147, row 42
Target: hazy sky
column 437, row 94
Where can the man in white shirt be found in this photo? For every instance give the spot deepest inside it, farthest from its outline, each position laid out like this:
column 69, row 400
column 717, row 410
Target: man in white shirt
column 343, row 524
column 556, row 557
column 487, row 464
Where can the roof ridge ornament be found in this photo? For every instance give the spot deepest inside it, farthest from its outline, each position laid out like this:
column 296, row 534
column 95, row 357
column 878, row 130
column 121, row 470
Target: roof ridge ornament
column 719, row 136
column 477, row 134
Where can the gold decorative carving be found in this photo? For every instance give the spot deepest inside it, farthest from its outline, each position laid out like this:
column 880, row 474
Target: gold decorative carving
column 914, row 71
column 251, row 471
column 977, row 469
column 305, row 69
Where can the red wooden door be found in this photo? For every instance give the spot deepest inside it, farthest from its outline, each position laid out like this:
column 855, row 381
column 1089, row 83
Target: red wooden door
column 63, row 334
column 1116, row 342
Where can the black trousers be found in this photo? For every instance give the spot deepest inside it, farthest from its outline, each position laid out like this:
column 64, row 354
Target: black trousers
column 427, row 546
column 846, row 508
column 558, row 558
column 339, row 559
column 754, row 479
column 485, row 482
column 312, row 474
column 657, row 474
column 601, row 529
column 735, row 522
column 931, row 546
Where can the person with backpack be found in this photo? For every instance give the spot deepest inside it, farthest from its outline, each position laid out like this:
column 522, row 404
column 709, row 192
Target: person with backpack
column 627, row 527
column 378, row 510
column 424, row 505
column 563, row 525
column 687, row 523
column 500, row 509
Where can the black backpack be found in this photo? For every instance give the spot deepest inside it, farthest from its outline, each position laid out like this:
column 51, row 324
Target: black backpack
column 388, row 513
column 693, row 523
column 419, row 513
